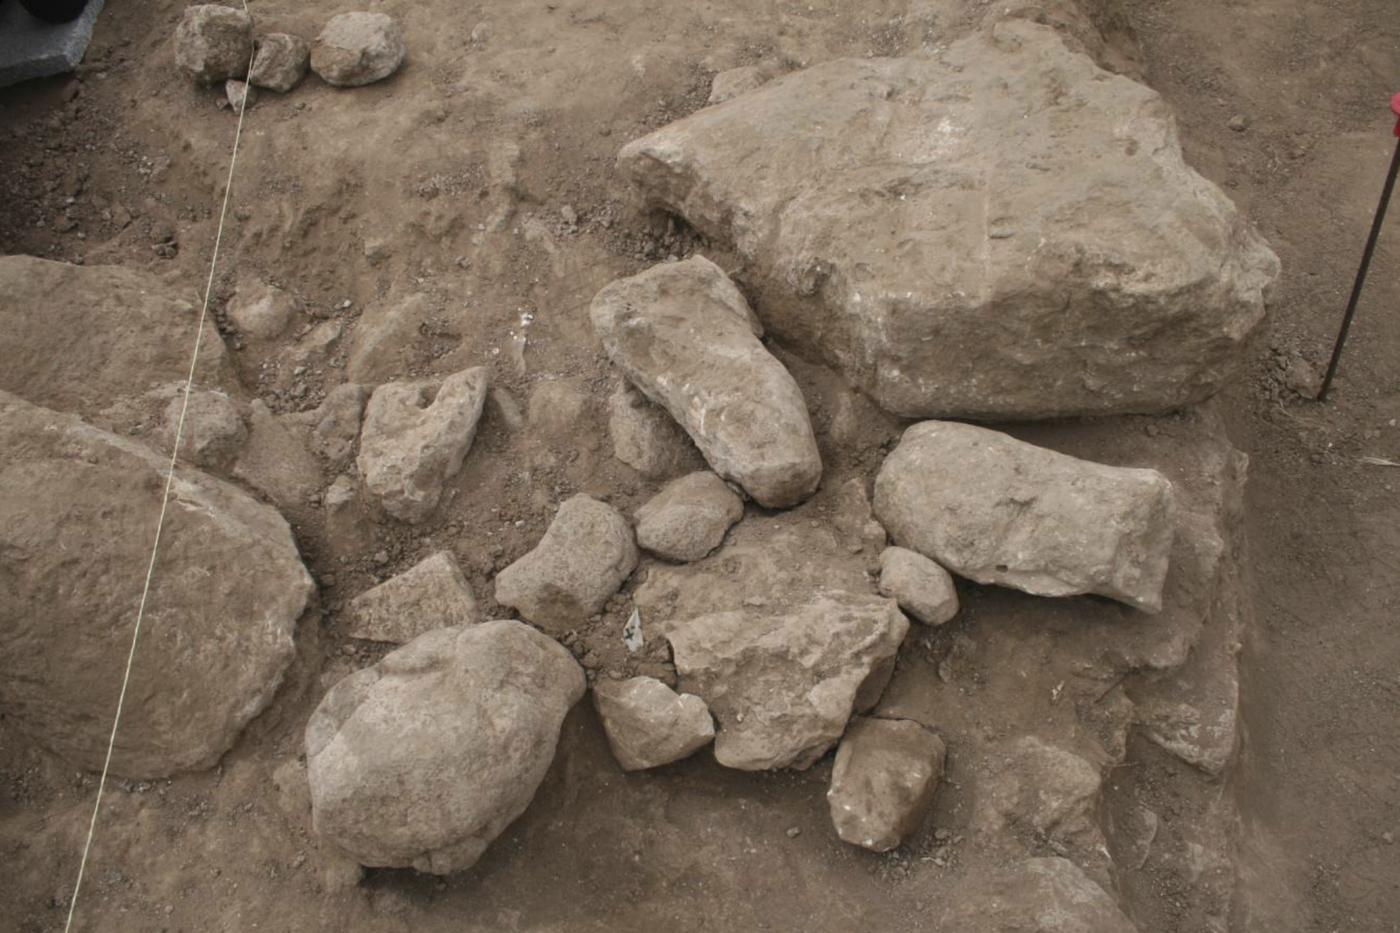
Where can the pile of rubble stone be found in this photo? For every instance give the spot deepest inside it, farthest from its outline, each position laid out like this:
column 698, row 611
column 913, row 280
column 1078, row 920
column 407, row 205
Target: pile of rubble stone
column 215, row 44
column 1002, row 230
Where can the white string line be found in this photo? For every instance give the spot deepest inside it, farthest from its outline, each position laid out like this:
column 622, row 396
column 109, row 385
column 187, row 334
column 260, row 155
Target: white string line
column 164, row 505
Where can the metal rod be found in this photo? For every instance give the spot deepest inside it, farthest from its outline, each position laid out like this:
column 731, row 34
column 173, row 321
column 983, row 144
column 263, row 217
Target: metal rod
column 1361, row 274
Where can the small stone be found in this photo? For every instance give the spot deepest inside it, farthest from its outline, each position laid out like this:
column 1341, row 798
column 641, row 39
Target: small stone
column 583, row 558
column 214, row 43
column 383, row 335
column 997, row 510
column 275, row 460
column 648, row 724
column 646, row 437
column 431, row 594
column 688, row 518
column 261, row 311
column 423, row 759
column 1043, row 788
column 414, row 438
column 922, row 588
column 280, row 62
column 1239, row 123
column 240, row 95
column 794, row 831
column 736, row 81
column 358, row 48
column 337, row 423
column 883, row 782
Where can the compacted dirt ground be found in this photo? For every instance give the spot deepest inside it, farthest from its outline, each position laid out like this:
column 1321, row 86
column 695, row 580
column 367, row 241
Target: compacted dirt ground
column 481, row 177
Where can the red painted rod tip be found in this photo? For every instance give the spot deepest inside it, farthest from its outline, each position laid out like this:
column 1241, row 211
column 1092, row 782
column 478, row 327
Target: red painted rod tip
column 1395, row 109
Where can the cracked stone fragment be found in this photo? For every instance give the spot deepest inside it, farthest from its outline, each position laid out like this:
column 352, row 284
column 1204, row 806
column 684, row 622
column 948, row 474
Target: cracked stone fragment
column 782, row 684
column 921, row 587
column 883, row 782
column 685, row 336
column 648, row 724
column 430, row 594
column 997, row 510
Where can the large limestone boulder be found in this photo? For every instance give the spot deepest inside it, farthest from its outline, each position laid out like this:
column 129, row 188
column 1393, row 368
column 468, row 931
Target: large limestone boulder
column 584, row 557
column 1001, row 229
column 783, row 684
column 78, row 509
column 77, row 338
column 997, row 510
column 424, row 758
column 414, row 438
column 685, row 336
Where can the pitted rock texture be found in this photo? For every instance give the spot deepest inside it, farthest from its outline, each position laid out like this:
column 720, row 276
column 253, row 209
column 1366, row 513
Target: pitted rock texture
column 648, row 724
column 414, row 438
column 685, row 336
column 358, row 48
column 430, row 594
column 783, row 684
column 584, row 557
column 997, row 510
column 883, row 782
column 76, row 522
column 998, row 230
column 687, row 519
column 214, row 43
column 422, row 759
column 280, row 62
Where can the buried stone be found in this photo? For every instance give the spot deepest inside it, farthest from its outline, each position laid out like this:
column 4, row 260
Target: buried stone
column 648, row 724
column 997, row 510
column 883, row 782
column 1000, row 229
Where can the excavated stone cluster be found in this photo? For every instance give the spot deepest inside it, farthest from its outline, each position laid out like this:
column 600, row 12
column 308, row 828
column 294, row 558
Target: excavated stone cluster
column 216, row 45
column 1001, row 230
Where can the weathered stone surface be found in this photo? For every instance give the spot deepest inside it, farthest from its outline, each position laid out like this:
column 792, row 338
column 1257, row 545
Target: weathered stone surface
column 214, row 43
column 276, row 461
column 732, row 82
column 381, row 335
column 422, row 759
column 585, row 555
column 883, row 782
column 957, row 250
column 997, row 510
column 358, row 48
column 922, row 588
column 213, row 431
column 648, row 724
column 76, row 517
column 782, row 685
column 335, row 423
column 261, row 311
column 280, row 62
column 646, row 437
column 1047, row 895
column 1037, row 788
column 687, row 339
column 414, row 438
column 687, row 519
column 78, row 337
column 240, row 94
column 855, row 521
column 430, row 594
